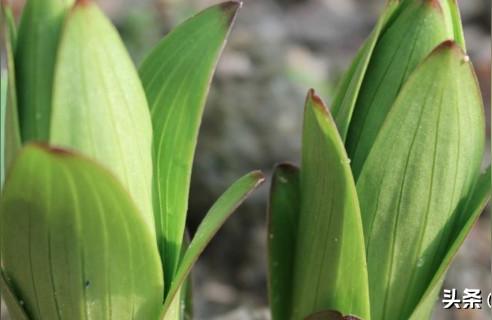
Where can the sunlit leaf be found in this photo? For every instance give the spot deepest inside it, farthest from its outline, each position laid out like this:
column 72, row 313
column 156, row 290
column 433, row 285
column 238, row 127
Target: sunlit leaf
column 408, row 38
column 415, row 182
column 330, row 270
column 99, row 106
column 35, row 55
column 176, row 77
column 475, row 204
column 284, row 209
column 214, row 219
column 73, row 243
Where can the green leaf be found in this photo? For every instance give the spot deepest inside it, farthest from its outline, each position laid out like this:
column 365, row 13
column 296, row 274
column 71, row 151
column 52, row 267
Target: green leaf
column 330, row 269
column 14, row 304
column 11, row 140
column 476, row 203
column 73, row 244
column 412, row 33
column 214, row 219
column 176, row 76
column 417, row 177
column 99, row 106
column 284, row 209
column 36, row 50
column 348, row 90
column 453, row 21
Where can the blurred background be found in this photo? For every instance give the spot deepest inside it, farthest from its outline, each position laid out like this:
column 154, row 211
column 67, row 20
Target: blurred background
column 277, row 51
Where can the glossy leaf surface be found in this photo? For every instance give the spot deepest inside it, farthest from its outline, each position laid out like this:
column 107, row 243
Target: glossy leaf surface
column 99, row 106
column 415, row 182
column 73, row 243
column 176, row 77
column 36, row 52
column 215, row 218
column 284, row 209
column 330, row 269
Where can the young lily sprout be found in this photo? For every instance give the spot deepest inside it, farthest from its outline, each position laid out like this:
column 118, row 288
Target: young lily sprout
column 389, row 187
column 98, row 159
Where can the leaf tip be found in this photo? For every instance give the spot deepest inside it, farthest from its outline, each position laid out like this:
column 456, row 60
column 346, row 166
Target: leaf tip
column 230, row 9
column 316, row 101
column 82, row 2
column 259, row 177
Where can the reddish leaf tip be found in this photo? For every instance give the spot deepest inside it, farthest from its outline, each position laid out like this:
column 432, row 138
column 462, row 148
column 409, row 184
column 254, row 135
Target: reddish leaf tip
column 51, row 149
column 82, row 2
column 450, row 45
column 230, row 9
column 317, row 101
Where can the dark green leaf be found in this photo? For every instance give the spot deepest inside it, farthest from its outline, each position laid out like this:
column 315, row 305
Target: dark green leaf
column 329, row 315
column 99, row 106
column 35, row 56
column 73, row 244
column 417, row 177
column 330, row 270
column 214, row 219
column 14, row 304
column 176, row 77
column 284, row 208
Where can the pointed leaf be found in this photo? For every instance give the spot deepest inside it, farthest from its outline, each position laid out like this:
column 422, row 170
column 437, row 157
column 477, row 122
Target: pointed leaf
column 99, row 106
column 330, row 270
column 176, row 77
column 36, row 50
column 73, row 243
column 476, row 203
column 284, row 208
column 414, row 31
column 417, row 177
column 214, row 219
column 348, row 90
column 13, row 303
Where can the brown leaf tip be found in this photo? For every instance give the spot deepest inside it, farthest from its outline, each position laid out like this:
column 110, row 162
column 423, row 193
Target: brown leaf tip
column 259, row 176
column 434, row 3
column 317, row 101
column 451, row 45
column 52, row 150
column 230, row 9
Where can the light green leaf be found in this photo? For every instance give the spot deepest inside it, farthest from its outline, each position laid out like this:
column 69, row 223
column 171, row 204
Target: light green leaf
column 284, row 209
column 476, row 202
column 348, row 90
column 453, row 21
column 330, row 269
column 417, row 177
column 176, row 77
column 11, row 140
column 412, row 33
column 99, row 106
column 35, row 56
column 72, row 242
column 13, row 303
column 214, row 219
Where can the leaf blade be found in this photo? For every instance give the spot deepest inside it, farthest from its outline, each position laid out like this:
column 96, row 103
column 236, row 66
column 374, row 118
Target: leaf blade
column 411, row 188
column 176, row 77
column 330, row 250
column 73, row 243
column 216, row 216
column 99, row 106
column 283, row 211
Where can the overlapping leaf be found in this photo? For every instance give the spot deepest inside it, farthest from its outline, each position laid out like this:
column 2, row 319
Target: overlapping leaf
column 72, row 242
column 413, row 32
column 36, row 50
column 99, row 106
column 416, row 180
column 214, row 219
column 330, row 269
column 10, row 133
column 284, row 210
column 176, row 77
